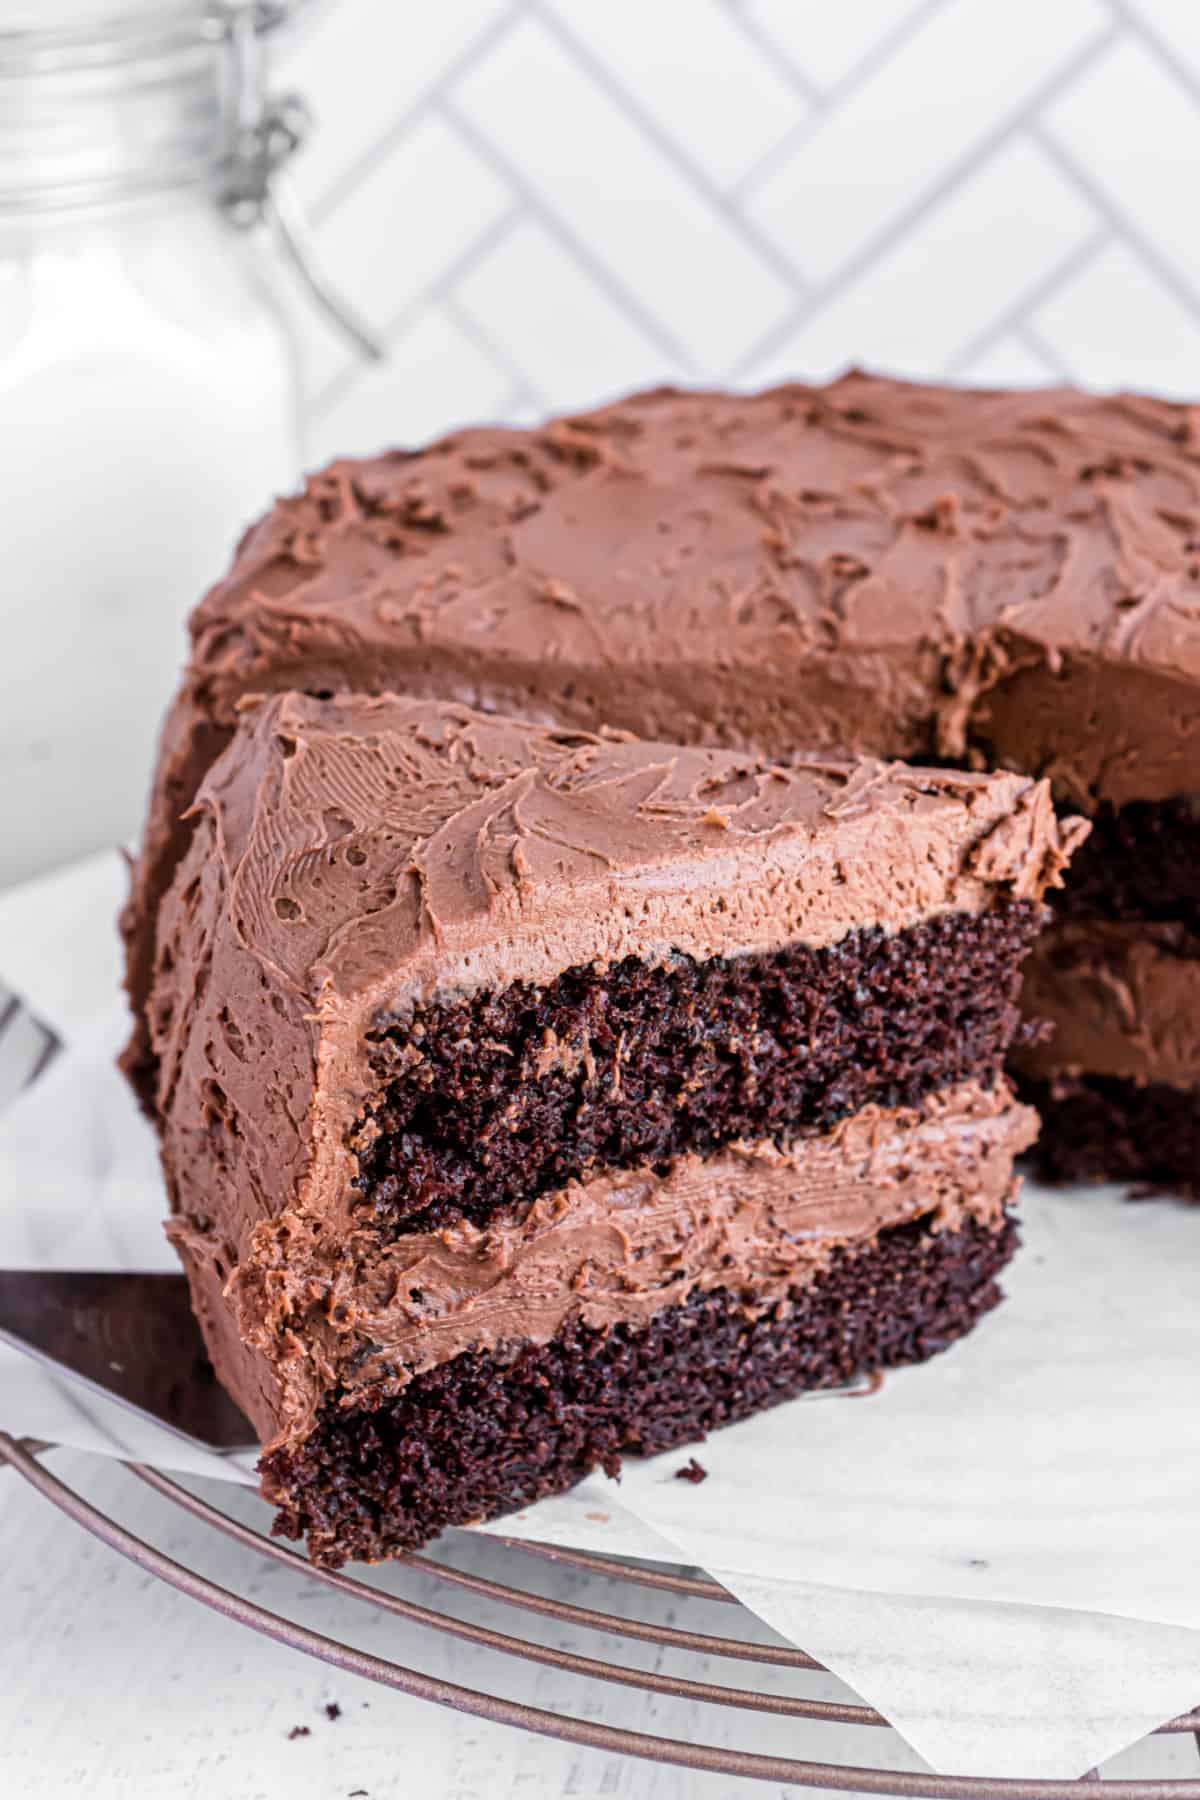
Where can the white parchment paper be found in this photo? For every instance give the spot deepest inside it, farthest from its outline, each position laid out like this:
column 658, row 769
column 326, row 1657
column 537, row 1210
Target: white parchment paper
column 997, row 1550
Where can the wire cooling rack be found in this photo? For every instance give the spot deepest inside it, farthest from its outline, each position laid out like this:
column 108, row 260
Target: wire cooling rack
column 24, row 1458
column 26, row 1047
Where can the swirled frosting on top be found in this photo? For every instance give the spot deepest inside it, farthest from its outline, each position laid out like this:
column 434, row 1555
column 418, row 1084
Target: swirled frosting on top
column 869, row 567
column 734, row 540
column 388, row 852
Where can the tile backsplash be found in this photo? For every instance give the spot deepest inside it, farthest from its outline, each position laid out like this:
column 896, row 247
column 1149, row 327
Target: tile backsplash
column 545, row 202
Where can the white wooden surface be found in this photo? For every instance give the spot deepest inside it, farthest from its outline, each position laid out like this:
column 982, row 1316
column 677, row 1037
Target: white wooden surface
column 112, row 1685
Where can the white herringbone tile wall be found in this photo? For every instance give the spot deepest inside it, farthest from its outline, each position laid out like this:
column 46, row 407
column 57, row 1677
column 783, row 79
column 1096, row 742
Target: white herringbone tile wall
column 543, row 203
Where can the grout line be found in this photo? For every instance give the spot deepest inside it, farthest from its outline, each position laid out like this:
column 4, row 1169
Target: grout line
column 546, row 215
column 884, row 48
column 1037, row 345
column 785, row 65
column 435, row 293
column 1014, row 316
column 843, row 89
column 477, row 333
column 518, row 398
column 480, row 248
column 1119, row 220
column 1137, row 26
column 902, row 222
column 632, row 110
column 778, row 153
column 394, row 134
column 51, row 1045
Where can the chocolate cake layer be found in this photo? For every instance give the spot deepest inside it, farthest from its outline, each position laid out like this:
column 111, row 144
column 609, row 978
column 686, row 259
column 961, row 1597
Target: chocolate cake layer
column 1099, row 1129
column 1140, row 863
column 616, row 1248
column 868, row 567
column 481, row 1435
column 508, row 1096
column 361, row 868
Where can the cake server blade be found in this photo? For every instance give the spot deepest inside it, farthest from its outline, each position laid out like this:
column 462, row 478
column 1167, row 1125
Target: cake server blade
column 129, row 1337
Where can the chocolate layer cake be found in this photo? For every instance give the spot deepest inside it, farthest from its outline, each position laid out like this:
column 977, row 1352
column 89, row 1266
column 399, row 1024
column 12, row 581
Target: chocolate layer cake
column 984, row 579
column 529, row 1097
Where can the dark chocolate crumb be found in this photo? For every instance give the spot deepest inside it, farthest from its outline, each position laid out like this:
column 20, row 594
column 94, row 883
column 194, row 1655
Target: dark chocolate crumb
column 298, row 1731
column 477, row 1437
column 332, row 1710
column 692, row 1471
column 1100, row 1128
column 1142, row 862
column 514, row 1094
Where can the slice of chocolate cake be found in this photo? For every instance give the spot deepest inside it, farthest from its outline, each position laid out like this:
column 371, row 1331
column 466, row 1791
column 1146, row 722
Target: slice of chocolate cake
column 530, row 1097
column 987, row 579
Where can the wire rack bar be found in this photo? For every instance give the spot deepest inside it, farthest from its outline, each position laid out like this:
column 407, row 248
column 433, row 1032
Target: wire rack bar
column 696, row 1587
column 676, row 1686
column 712, row 1758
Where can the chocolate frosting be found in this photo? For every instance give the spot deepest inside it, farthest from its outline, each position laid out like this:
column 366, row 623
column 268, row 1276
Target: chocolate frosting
column 753, row 1220
column 352, row 857
column 403, row 851
column 871, row 567
column 1123, row 998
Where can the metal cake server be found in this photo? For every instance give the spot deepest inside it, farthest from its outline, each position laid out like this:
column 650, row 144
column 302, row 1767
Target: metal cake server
column 131, row 1338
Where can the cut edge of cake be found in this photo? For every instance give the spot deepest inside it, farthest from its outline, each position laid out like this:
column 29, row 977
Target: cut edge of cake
column 376, row 886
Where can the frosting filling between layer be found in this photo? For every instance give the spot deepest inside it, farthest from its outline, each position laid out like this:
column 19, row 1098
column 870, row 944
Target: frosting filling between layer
column 753, row 1220
column 1123, row 998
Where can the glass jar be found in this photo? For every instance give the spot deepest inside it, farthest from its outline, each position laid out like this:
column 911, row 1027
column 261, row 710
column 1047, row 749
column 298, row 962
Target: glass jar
column 149, row 399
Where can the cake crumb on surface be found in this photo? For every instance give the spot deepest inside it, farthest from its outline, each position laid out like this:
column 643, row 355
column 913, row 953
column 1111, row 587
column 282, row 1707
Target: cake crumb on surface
column 692, row 1471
